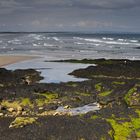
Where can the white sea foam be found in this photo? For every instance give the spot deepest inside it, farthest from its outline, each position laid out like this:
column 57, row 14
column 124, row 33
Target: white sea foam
column 47, row 45
column 120, row 39
column 36, row 36
column 117, row 43
column 15, row 41
column 72, row 46
column 134, row 41
column 56, row 38
column 35, row 45
column 105, row 42
column 85, row 43
column 106, row 38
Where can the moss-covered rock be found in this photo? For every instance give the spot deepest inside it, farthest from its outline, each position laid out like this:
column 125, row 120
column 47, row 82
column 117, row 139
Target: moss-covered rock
column 22, row 121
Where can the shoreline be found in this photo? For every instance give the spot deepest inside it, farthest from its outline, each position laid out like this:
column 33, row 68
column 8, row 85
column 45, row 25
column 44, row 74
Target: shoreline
column 11, row 59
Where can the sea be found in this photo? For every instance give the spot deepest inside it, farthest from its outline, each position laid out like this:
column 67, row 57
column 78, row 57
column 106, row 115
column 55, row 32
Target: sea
column 66, row 45
column 72, row 45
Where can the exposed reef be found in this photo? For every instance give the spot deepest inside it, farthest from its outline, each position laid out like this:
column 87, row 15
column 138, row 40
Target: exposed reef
column 45, row 111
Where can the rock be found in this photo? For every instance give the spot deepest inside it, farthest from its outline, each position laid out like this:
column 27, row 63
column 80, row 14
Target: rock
column 11, row 109
column 19, row 108
column 24, row 113
column 40, row 108
column 22, row 121
column 1, row 85
column 18, row 113
column 1, row 114
column 66, row 107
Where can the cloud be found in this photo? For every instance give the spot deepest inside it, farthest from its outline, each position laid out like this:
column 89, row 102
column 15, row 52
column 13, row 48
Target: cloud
column 85, row 4
column 9, row 4
column 107, row 4
column 94, row 4
column 69, row 14
column 93, row 24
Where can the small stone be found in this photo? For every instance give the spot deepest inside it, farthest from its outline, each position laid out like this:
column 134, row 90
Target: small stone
column 24, row 113
column 18, row 113
column 1, row 114
column 40, row 108
column 14, row 113
column 1, row 85
column 19, row 108
column 66, row 107
column 10, row 109
column 6, row 115
column 56, row 113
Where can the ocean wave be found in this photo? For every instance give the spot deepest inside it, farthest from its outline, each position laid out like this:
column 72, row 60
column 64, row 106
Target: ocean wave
column 56, row 38
column 82, row 43
column 106, row 38
column 122, row 40
column 36, row 36
column 15, row 42
column 134, row 41
column 36, row 45
column 89, row 39
column 118, row 42
column 47, row 45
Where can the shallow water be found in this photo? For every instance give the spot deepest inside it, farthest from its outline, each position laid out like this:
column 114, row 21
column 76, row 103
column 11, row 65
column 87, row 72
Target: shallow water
column 53, row 72
column 79, row 110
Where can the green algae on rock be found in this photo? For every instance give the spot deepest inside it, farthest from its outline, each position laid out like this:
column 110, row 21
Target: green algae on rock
column 114, row 85
column 105, row 93
column 132, row 98
column 22, row 121
column 98, row 87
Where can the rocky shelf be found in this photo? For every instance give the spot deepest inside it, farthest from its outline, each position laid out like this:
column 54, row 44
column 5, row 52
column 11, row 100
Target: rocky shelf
column 29, row 109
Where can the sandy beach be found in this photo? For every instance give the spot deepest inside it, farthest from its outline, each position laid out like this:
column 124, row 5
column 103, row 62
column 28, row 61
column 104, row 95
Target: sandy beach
column 6, row 60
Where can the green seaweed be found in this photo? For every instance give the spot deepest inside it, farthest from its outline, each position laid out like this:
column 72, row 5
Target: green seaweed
column 118, row 83
column 123, row 127
column 128, row 95
column 111, row 133
column 41, row 102
column 103, row 138
column 83, row 94
column 105, row 93
column 22, row 121
column 94, row 117
column 10, row 104
column 91, row 61
column 26, row 102
column 98, row 87
column 121, row 131
column 49, row 96
column 72, row 84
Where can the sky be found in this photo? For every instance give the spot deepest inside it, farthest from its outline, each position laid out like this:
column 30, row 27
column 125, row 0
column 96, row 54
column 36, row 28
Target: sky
column 70, row 15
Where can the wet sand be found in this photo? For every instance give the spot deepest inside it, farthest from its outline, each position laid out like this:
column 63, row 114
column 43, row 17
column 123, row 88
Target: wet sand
column 6, row 60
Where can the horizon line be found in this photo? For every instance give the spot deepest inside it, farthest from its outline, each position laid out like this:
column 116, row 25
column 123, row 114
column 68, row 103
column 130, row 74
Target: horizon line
column 97, row 32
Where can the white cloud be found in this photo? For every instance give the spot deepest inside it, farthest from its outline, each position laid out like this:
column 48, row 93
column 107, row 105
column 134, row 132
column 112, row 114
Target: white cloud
column 94, row 24
column 9, row 3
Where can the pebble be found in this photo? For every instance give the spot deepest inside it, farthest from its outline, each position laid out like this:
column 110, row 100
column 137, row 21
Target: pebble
column 19, row 108
column 1, row 114
column 11, row 109
column 40, row 108
column 66, row 107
